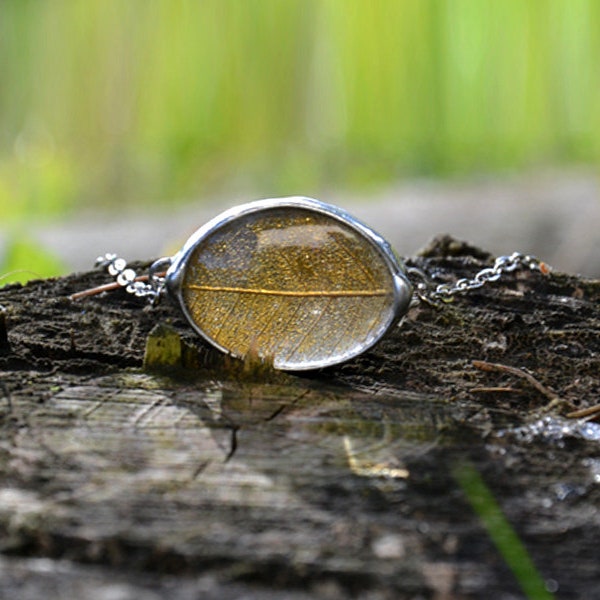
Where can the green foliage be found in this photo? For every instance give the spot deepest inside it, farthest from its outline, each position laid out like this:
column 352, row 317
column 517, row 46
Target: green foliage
column 105, row 101
column 24, row 260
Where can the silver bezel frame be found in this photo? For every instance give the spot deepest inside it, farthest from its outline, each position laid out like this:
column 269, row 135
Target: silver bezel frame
column 402, row 287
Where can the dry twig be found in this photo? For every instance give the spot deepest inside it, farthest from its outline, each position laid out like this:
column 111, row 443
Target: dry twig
column 591, row 412
column 107, row 287
column 542, row 389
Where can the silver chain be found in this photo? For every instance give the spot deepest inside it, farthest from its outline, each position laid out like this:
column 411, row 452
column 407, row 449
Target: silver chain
column 150, row 287
column 503, row 264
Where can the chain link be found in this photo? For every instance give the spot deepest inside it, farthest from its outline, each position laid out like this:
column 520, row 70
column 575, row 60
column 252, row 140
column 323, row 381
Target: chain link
column 503, row 264
column 150, row 286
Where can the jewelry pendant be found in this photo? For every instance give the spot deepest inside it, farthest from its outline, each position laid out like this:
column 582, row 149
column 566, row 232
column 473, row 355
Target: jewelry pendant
column 295, row 281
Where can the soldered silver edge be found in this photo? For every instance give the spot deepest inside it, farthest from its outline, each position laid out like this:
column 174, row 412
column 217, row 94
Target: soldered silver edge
column 403, row 290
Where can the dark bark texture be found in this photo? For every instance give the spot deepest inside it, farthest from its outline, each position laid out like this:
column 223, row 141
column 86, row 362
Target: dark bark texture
column 217, row 479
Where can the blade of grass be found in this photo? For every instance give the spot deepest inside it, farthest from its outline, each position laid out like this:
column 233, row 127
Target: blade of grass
column 501, row 532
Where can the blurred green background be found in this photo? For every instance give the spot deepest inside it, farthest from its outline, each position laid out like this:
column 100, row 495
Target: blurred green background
column 139, row 102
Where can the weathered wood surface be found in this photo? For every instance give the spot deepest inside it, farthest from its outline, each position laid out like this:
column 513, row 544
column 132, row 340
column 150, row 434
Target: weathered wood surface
column 213, row 481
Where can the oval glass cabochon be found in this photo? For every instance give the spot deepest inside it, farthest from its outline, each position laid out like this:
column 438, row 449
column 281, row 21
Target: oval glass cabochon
column 293, row 281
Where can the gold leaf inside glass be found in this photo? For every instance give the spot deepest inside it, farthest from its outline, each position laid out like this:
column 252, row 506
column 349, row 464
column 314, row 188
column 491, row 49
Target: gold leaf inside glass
column 294, row 286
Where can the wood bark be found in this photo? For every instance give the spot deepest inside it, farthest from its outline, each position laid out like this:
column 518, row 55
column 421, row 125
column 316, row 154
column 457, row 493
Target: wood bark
column 218, row 479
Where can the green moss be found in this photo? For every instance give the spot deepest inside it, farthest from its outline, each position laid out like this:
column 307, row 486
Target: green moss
column 163, row 349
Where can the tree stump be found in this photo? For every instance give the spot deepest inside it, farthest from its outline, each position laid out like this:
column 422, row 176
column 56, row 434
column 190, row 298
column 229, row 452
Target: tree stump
column 401, row 474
